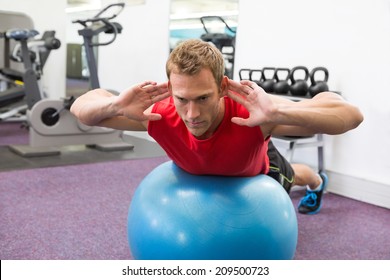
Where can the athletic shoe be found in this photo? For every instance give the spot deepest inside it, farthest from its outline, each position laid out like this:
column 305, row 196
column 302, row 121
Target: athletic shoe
column 312, row 201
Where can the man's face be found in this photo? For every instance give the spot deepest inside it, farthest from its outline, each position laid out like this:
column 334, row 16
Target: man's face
column 198, row 102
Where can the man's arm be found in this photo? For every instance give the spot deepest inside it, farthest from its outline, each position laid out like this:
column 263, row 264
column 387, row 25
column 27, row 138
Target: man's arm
column 326, row 113
column 130, row 110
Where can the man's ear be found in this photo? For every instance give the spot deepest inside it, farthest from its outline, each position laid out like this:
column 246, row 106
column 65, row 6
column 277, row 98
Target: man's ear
column 169, row 87
column 224, row 86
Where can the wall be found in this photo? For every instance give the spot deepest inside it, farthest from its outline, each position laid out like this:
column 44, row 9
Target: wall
column 352, row 39
column 54, row 72
column 140, row 52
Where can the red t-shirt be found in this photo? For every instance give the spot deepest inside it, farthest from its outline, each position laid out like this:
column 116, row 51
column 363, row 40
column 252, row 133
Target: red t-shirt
column 232, row 150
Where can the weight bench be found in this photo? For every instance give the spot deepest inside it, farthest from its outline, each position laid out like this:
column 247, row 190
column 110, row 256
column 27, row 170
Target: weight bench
column 292, row 143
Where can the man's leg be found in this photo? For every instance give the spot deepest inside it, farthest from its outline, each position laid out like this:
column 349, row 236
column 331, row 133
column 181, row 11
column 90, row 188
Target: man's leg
column 298, row 174
column 279, row 168
column 305, row 176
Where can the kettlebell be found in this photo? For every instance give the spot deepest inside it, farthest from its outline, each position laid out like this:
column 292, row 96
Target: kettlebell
column 268, row 80
column 255, row 75
column 318, row 86
column 244, row 74
column 299, row 87
column 282, row 86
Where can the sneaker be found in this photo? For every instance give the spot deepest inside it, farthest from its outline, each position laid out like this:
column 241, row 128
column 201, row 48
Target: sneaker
column 312, row 201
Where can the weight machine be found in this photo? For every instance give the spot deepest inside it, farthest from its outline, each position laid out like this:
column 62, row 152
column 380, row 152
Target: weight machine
column 50, row 122
column 222, row 40
column 13, row 97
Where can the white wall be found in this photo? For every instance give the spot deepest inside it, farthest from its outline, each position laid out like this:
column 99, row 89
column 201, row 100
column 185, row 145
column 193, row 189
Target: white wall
column 47, row 15
column 352, row 39
column 140, row 52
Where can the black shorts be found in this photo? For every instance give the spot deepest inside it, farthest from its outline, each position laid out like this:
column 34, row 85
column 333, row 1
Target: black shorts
column 280, row 169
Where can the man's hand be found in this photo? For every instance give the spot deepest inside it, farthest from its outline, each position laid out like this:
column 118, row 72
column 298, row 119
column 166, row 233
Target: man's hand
column 134, row 101
column 254, row 99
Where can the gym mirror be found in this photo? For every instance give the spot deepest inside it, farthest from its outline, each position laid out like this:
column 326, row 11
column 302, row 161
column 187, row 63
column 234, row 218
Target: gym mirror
column 212, row 21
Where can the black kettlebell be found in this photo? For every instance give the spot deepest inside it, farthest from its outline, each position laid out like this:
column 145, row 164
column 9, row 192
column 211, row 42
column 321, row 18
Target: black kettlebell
column 268, row 80
column 282, row 86
column 299, row 87
column 244, row 74
column 255, row 75
column 318, row 86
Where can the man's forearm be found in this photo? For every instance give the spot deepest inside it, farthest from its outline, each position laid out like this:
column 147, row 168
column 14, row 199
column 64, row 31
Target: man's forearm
column 93, row 107
column 325, row 113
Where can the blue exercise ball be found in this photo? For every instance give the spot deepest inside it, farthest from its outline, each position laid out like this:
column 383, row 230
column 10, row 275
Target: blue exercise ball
column 176, row 215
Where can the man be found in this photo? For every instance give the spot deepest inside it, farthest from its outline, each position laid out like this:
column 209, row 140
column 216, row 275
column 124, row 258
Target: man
column 208, row 124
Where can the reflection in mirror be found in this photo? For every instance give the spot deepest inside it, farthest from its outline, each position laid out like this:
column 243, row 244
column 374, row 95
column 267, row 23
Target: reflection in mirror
column 212, row 21
column 87, row 18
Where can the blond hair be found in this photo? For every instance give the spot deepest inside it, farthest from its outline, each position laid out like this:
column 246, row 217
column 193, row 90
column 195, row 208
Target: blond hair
column 193, row 55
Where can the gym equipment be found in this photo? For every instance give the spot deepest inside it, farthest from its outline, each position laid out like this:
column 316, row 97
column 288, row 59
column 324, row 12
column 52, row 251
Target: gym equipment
column 33, row 54
column 291, row 143
column 11, row 87
column 317, row 86
column 299, row 87
column 92, row 28
column 268, row 79
column 51, row 123
column 244, row 74
column 11, row 81
column 281, row 85
column 12, row 93
column 256, row 75
column 222, row 40
column 176, row 215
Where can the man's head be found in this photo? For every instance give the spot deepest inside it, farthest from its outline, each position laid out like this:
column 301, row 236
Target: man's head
column 195, row 70
column 193, row 55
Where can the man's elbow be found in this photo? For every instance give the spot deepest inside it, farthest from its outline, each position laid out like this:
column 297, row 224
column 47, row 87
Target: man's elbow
column 76, row 111
column 354, row 119
column 357, row 118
